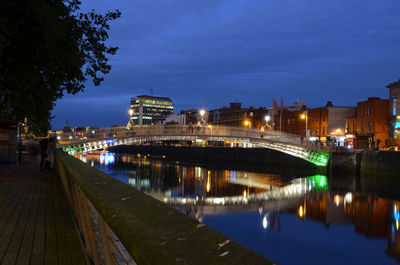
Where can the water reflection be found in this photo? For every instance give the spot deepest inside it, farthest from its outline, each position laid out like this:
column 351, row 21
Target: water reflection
column 241, row 203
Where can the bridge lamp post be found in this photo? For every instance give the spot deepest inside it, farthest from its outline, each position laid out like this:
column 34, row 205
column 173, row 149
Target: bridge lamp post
column 202, row 112
column 130, row 111
column 304, row 116
column 267, row 119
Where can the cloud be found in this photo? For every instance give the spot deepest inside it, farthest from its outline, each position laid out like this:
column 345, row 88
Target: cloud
column 208, row 53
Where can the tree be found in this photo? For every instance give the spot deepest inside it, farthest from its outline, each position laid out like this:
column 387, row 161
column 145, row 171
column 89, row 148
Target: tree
column 48, row 48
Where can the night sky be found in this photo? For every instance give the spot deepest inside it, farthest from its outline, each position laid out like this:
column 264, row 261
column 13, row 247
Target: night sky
column 205, row 53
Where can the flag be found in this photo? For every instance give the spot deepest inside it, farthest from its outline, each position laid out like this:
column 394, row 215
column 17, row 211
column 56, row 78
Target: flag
column 275, row 107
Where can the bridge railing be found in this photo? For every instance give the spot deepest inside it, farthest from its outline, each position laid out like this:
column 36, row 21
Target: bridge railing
column 199, row 131
column 121, row 225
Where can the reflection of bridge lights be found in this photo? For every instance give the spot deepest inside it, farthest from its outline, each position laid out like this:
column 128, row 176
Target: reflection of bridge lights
column 107, row 158
column 208, row 181
column 232, row 175
column 397, row 225
column 337, row 200
column 301, row 211
column 396, row 213
column 265, row 222
column 197, row 171
column 244, row 193
column 348, row 197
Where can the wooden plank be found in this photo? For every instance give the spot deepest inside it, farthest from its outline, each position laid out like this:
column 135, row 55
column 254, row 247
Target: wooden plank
column 36, row 222
column 51, row 237
column 23, row 221
column 13, row 195
column 37, row 256
column 25, row 252
column 9, row 259
column 12, row 221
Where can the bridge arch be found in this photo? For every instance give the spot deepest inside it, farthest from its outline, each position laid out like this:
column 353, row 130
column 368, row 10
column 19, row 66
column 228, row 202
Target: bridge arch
column 283, row 142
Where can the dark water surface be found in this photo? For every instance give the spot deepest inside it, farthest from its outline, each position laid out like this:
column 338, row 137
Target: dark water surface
column 291, row 220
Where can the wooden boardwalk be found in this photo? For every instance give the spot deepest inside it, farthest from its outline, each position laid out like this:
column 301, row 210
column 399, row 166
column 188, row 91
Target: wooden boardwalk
column 36, row 223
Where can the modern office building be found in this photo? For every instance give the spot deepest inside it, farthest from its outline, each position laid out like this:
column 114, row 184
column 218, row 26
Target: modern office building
column 146, row 110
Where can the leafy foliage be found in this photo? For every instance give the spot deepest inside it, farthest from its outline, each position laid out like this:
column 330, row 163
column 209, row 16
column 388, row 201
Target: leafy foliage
column 48, row 48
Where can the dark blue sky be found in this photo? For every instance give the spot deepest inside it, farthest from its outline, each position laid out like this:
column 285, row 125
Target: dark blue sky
column 208, row 53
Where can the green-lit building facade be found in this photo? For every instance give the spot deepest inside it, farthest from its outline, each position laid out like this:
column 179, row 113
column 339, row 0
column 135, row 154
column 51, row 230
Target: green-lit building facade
column 150, row 110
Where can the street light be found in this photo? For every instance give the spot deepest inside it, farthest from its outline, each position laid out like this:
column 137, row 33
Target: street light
column 130, row 112
column 267, row 119
column 304, row 116
column 246, row 123
column 202, row 112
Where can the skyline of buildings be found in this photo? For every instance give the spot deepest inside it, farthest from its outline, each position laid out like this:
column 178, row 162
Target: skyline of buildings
column 369, row 124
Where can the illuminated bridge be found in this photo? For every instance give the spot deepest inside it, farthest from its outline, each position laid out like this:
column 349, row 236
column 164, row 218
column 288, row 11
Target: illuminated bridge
column 287, row 143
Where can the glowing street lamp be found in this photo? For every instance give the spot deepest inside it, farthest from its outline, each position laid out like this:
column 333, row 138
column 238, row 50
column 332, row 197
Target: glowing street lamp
column 130, row 112
column 267, row 119
column 247, row 123
column 202, row 112
column 304, row 116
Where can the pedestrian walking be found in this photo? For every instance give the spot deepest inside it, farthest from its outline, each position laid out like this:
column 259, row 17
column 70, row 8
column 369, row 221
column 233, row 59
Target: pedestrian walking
column 51, row 147
column 43, row 152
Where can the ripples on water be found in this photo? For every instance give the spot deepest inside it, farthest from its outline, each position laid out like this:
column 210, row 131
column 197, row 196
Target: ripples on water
column 309, row 220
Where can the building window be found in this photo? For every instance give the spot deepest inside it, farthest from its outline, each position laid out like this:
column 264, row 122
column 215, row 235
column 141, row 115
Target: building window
column 316, row 131
column 394, row 106
column 369, row 110
column 317, row 118
column 288, row 121
column 362, row 127
column 354, row 126
column 369, row 127
column 362, row 111
column 323, row 130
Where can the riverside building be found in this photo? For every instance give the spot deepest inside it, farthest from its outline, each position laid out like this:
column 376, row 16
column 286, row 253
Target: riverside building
column 147, row 110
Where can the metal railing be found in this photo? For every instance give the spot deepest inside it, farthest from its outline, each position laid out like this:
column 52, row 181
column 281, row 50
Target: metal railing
column 218, row 132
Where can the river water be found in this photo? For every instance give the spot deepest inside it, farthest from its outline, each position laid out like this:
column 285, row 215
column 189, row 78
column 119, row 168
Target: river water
column 289, row 219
